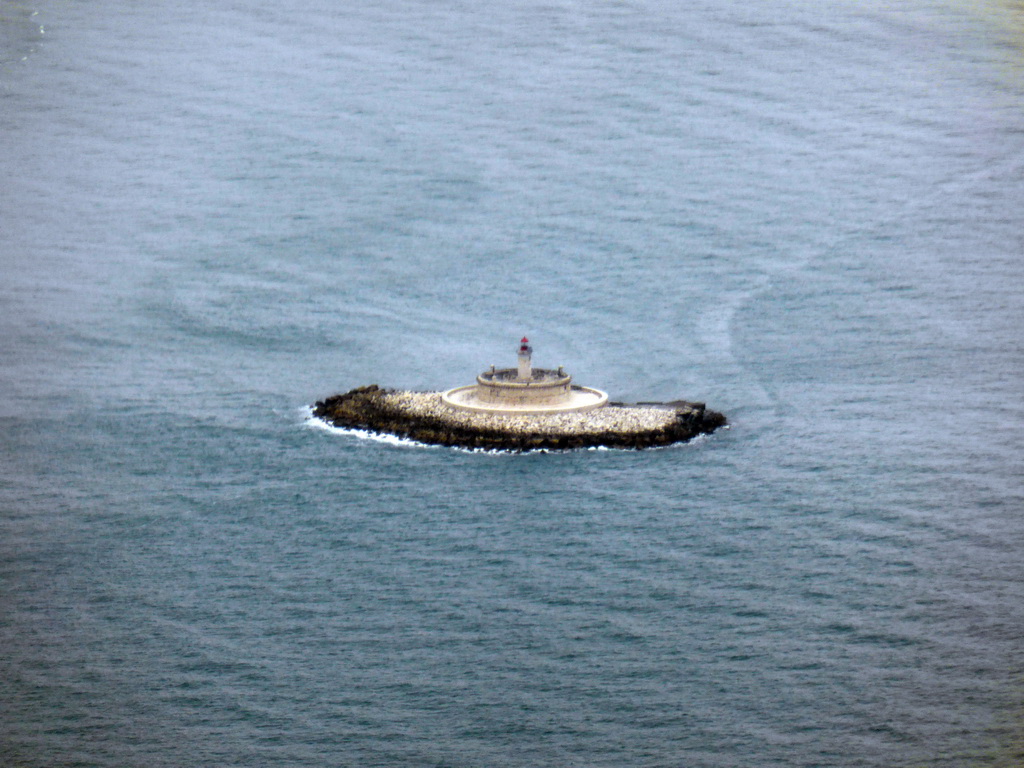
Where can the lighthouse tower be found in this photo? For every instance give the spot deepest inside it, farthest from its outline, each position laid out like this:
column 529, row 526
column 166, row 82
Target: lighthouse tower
column 525, row 367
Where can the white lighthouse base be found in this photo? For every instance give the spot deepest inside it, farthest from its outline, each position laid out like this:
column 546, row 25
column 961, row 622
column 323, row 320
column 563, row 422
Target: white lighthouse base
column 577, row 399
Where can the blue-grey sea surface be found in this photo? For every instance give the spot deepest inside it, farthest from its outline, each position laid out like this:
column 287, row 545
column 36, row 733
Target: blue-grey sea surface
column 809, row 214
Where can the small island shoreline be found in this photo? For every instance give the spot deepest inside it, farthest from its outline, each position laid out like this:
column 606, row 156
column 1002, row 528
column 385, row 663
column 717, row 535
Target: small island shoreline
column 425, row 418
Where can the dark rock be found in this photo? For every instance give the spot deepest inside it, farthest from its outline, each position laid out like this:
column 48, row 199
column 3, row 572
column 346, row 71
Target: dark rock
column 369, row 408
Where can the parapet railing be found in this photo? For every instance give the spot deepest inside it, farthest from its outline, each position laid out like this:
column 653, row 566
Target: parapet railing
column 509, row 377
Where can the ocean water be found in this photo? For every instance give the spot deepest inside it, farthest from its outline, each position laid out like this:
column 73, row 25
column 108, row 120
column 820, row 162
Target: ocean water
column 807, row 214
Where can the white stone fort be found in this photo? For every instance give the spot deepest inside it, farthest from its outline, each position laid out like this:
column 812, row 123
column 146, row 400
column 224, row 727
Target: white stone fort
column 524, row 390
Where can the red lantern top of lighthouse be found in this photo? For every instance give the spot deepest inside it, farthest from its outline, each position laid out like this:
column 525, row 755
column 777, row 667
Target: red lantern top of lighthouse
column 524, row 346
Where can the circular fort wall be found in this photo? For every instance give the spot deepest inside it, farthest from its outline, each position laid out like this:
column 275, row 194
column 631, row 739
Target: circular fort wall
column 545, row 388
column 502, row 392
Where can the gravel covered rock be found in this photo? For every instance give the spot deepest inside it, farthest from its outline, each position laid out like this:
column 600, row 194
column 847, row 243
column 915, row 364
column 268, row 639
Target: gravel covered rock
column 422, row 416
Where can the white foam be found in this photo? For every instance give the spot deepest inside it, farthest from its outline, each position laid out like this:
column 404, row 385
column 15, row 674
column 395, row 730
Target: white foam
column 313, row 422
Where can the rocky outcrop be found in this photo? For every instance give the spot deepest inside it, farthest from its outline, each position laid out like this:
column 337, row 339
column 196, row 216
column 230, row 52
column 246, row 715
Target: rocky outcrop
column 422, row 416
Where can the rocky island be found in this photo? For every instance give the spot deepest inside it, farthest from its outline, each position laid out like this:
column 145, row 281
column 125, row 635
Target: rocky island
column 518, row 409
